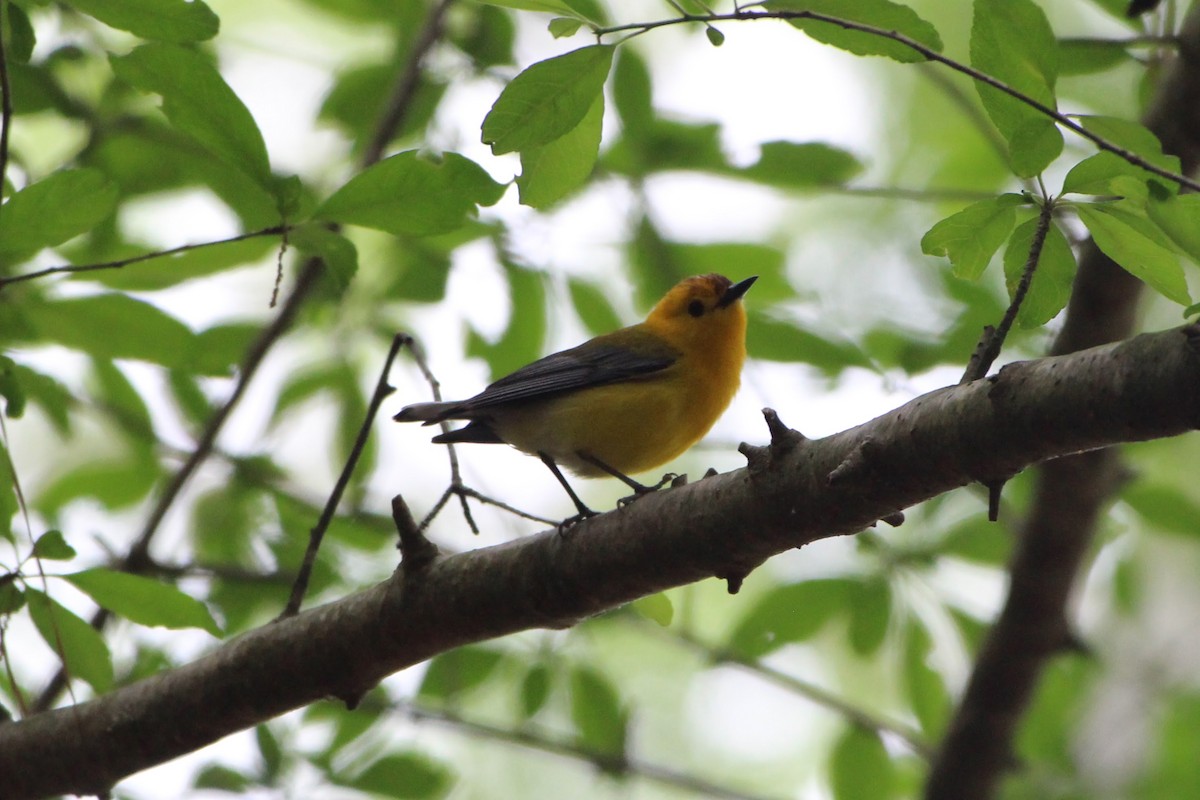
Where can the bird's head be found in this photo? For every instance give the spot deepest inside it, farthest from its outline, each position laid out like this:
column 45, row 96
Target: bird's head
column 704, row 312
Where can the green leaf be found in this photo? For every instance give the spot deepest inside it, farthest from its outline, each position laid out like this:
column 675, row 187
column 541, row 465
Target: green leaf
column 405, row 776
column 972, row 236
column 860, row 767
column 408, row 195
column 12, row 599
column 198, row 102
column 600, row 721
column 116, row 483
column 1086, row 57
column 10, row 388
column 1106, row 174
column 51, row 545
column 19, row 37
column 486, row 36
column 460, row 670
column 880, row 14
column 359, row 93
column 1139, row 139
column 54, row 399
column 977, row 539
column 176, row 21
column 338, row 253
column 668, row 145
column 1164, row 507
column 870, row 604
column 777, row 340
column 926, row 690
column 1179, row 217
column 796, row 165
column 8, row 494
column 1171, row 772
column 789, row 613
column 1011, row 40
column 525, row 335
column 78, row 644
column 593, row 307
column 1139, row 246
column 551, row 171
column 53, row 210
column 535, row 690
column 547, row 100
column 189, row 398
column 631, row 92
column 1051, row 285
column 563, row 27
column 112, row 326
column 144, row 600
column 222, row 347
column 656, row 607
column 118, row 395
column 223, row 779
column 270, row 751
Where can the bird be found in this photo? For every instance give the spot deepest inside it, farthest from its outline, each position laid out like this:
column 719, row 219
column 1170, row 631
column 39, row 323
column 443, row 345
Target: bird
column 623, row 402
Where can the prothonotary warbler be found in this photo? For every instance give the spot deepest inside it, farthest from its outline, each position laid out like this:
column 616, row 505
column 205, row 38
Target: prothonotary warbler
column 623, row 402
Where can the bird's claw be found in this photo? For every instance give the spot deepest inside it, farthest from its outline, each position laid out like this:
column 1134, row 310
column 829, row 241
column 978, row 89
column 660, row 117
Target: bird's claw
column 641, row 491
column 572, row 521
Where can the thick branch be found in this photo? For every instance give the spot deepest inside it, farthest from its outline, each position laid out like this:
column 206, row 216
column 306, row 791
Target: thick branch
column 1145, row 388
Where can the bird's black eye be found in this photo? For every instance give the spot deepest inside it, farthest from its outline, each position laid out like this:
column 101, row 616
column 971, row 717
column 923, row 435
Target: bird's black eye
column 695, row 308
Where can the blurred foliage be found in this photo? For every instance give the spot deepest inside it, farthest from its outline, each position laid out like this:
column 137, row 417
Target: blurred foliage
column 880, row 262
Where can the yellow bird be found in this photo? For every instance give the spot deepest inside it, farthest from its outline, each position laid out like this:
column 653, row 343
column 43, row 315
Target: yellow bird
column 623, row 402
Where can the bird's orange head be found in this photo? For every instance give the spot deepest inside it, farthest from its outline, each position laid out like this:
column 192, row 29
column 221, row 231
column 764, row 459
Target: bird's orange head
column 703, row 317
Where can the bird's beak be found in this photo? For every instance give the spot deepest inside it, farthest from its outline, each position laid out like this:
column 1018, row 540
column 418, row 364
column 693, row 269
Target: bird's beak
column 735, row 292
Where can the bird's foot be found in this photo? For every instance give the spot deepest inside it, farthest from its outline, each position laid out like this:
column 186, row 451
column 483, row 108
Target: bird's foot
column 640, row 490
column 572, row 521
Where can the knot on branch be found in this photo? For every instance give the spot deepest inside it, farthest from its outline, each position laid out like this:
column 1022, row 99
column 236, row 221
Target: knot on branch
column 861, row 461
column 416, row 552
column 783, row 441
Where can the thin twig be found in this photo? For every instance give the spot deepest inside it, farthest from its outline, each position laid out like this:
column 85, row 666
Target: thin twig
column 560, row 745
column 399, row 103
column 456, row 482
column 125, row 262
column 993, row 340
column 382, row 390
column 927, row 52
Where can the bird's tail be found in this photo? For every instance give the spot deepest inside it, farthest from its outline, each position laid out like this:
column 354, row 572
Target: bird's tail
column 428, row 413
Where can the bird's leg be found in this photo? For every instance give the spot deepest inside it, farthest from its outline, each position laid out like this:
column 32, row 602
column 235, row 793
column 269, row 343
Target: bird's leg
column 584, row 511
column 639, row 489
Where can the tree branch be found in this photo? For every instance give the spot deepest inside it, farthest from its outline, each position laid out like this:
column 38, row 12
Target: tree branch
column 1147, row 387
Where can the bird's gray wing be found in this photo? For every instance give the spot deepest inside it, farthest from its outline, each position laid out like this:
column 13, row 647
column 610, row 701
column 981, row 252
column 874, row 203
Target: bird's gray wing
column 581, row 367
